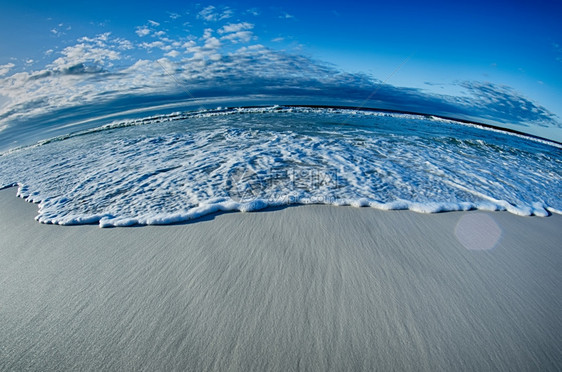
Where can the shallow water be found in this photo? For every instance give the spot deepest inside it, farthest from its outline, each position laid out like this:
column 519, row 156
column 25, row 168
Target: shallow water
column 172, row 168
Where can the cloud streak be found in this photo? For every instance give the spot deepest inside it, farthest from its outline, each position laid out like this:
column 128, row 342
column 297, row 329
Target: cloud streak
column 212, row 14
column 4, row 69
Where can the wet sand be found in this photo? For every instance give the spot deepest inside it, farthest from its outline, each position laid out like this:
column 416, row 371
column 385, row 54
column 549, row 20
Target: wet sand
column 301, row 288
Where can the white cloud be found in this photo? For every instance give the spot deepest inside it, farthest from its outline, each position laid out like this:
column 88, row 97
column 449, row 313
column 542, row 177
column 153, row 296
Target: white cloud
column 124, row 44
column 172, row 53
column 239, row 37
column 173, row 43
column 59, row 32
column 90, row 52
column 208, row 13
column 226, row 14
column 286, row 15
column 212, row 43
column 174, row 15
column 237, row 32
column 253, row 11
column 165, row 44
column 99, row 40
column 207, row 33
column 235, row 27
column 83, row 53
column 278, row 39
column 4, row 69
column 154, row 44
column 142, row 31
column 153, row 23
column 212, row 14
column 189, row 44
column 167, row 64
column 210, row 50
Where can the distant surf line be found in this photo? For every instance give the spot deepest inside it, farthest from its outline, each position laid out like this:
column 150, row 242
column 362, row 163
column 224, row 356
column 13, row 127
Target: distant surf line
column 227, row 110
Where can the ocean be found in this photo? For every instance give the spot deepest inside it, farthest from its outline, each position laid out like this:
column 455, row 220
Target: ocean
column 177, row 167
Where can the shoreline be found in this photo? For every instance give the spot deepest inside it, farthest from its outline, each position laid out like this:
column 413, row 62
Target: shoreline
column 305, row 287
column 259, row 205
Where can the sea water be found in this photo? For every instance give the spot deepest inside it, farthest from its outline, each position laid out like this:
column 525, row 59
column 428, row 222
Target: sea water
column 176, row 167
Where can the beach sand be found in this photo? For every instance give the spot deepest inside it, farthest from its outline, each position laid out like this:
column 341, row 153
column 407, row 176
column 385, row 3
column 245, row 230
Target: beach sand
column 300, row 288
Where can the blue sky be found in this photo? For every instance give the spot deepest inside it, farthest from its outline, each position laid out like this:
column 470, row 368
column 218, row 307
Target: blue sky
column 497, row 54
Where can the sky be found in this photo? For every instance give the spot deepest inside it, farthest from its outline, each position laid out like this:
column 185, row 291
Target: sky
column 495, row 62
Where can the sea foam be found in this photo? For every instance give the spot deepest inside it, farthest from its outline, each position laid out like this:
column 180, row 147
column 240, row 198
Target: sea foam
column 177, row 167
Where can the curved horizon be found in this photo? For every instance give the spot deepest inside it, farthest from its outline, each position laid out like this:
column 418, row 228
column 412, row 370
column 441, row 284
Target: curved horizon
column 204, row 54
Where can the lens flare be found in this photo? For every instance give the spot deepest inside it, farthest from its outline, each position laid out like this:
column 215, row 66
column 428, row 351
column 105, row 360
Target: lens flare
column 478, row 231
